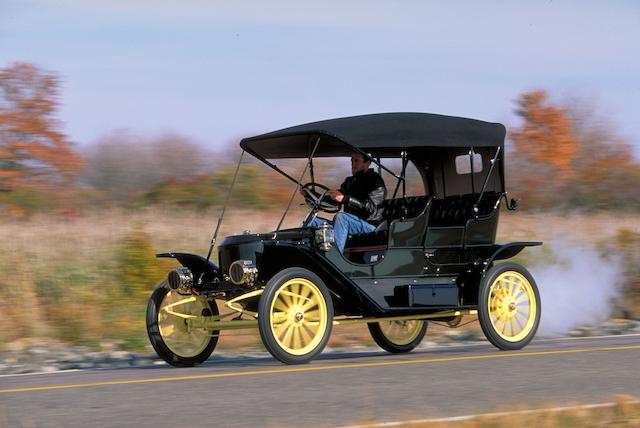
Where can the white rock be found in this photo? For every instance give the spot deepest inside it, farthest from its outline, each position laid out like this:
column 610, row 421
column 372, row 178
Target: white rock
column 121, row 355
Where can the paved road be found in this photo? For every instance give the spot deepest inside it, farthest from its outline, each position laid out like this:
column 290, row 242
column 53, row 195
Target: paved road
column 336, row 389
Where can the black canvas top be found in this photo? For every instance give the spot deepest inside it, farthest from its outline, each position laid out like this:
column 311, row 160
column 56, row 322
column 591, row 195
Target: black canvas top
column 383, row 134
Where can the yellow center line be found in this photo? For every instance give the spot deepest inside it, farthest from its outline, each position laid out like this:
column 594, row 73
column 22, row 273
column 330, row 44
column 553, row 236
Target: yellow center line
column 320, row 368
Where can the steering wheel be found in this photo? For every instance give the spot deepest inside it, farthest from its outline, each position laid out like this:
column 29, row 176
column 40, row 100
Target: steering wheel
column 319, row 201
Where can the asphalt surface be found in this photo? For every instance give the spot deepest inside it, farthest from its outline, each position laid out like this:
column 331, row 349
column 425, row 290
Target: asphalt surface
column 339, row 388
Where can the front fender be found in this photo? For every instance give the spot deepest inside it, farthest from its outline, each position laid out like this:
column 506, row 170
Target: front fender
column 346, row 293
column 197, row 264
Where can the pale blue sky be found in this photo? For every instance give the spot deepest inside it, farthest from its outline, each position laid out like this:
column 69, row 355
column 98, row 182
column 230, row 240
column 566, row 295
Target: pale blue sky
column 219, row 70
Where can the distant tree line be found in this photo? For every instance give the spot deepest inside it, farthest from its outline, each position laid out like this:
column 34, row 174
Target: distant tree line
column 560, row 155
column 125, row 164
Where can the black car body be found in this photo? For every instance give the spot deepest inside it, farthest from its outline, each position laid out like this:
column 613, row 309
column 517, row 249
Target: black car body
column 432, row 257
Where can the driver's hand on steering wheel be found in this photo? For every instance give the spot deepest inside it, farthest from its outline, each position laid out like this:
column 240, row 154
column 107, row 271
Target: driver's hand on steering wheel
column 336, row 195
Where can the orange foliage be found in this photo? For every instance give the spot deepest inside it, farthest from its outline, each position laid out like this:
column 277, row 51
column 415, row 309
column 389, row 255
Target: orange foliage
column 567, row 155
column 547, row 135
column 32, row 150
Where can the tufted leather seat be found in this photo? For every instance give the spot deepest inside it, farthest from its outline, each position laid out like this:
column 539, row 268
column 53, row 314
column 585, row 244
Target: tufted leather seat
column 456, row 210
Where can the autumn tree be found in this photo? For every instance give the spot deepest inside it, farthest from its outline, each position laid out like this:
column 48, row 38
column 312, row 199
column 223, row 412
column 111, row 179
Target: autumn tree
column 546, row 136
column 565, row 154
column 33, row 150
column 606, row 172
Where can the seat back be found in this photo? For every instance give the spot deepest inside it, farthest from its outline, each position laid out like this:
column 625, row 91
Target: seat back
column 404, row 208
column 407, row 220
column 401, row 225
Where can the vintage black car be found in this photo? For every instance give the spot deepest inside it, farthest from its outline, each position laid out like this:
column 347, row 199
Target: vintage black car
column 433, row 257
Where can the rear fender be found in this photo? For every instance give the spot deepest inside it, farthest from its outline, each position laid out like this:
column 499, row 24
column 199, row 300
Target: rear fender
column 506, row 251
column 196, row 264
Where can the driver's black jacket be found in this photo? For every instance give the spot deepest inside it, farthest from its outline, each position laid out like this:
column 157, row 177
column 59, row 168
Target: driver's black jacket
column 363, row 195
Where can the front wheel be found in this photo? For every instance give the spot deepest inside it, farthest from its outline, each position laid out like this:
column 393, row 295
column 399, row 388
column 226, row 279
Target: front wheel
column 398, row 336
column 509, row 306
column 295, row 316
column 171, row 335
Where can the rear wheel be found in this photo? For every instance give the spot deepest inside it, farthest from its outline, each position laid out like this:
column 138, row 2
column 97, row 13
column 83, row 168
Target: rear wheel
column 398, row 336
column 171, row 336
column 509, row 306
column 295, row 316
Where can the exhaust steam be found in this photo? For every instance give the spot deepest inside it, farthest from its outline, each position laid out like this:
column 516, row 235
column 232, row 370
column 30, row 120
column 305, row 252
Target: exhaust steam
column 578, row 289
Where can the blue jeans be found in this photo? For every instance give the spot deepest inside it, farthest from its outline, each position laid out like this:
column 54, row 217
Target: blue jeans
column 344, row 224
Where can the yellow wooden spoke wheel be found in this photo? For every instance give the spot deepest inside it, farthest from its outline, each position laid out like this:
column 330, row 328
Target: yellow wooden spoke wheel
column 398, row 336
column 172, row 323
column 295, row 316
column 509, row 306
column 170, row 331
column 512, row 306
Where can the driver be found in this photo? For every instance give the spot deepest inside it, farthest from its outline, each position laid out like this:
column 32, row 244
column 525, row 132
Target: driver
column 361, row 196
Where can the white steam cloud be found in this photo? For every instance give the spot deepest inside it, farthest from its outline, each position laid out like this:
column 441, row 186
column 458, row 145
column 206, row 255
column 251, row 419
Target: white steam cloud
column 578, row 289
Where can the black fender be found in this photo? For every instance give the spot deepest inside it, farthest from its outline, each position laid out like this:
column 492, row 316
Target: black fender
column 197, row 264
column 278, row 256
column 506, row 251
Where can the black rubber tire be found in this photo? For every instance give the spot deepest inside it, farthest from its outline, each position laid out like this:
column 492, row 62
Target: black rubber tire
column 156, row 338
column 264, row 316
column 483, row 309
column 385, row 343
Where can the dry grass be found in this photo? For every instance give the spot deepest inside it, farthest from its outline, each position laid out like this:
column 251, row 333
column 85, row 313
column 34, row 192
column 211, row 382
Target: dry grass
column 59, row 275
column 622, row 412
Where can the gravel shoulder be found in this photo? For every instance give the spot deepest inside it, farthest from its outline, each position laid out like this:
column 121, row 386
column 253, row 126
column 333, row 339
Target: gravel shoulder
column 37, row 356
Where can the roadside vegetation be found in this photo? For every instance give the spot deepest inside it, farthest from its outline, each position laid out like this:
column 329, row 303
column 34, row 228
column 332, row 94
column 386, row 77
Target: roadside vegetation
column 622, row 412
column 87, row 280
column 79, row 225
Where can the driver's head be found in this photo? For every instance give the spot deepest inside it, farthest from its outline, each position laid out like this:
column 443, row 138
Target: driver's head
column 359, row 163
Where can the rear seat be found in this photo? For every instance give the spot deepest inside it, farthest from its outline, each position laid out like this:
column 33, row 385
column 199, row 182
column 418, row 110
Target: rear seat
column 394, row 209
column 456, row 210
